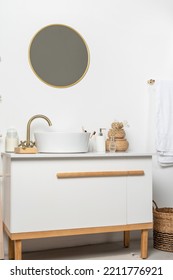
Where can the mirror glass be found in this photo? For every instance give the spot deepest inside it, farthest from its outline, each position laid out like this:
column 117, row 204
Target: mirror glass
column 59, row 56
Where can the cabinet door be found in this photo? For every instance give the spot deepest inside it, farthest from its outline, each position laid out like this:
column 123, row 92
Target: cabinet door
column 40, row 201
column 139, row 192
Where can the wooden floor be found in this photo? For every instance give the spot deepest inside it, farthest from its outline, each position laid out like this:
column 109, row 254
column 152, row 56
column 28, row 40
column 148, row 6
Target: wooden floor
column 105, row 251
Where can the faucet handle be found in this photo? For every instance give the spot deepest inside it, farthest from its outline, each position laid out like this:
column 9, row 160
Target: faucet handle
column 23, row 144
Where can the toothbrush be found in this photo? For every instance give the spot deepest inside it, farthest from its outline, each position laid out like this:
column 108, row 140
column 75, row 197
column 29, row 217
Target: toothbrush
column 84, row 130
column 94, row 132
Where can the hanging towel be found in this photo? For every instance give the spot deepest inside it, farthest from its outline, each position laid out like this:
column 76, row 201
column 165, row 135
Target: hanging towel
column 164, row 122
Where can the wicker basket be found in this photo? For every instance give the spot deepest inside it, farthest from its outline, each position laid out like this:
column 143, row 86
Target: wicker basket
column 117, row 133
column 121, row 145
column 163, row 228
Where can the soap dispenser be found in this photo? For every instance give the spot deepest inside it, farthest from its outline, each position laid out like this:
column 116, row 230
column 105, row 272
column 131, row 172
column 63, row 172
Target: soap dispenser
column 100, row 141
column 11, row 140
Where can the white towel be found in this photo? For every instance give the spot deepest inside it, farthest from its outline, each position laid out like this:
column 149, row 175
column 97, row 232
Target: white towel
column 164, row 122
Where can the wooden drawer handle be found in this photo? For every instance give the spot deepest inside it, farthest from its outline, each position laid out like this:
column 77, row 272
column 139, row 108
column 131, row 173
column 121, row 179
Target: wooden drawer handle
column 63, row 175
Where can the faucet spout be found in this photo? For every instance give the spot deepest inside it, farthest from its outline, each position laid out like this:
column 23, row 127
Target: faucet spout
column 28, row 140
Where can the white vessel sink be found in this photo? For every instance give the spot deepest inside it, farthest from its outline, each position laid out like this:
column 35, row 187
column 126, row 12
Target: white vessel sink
column 62, row 142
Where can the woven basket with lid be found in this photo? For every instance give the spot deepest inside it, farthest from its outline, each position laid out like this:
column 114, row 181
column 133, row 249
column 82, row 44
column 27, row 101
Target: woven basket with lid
column 121, row 145
column 117, row 133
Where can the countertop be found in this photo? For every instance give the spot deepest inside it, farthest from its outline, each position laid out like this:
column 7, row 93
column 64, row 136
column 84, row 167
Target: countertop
column 78, row 155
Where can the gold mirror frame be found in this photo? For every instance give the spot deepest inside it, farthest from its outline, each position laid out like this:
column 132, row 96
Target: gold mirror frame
column 40, row 58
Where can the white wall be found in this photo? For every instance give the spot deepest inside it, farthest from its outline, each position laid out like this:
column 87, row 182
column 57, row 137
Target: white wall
column 130, row 41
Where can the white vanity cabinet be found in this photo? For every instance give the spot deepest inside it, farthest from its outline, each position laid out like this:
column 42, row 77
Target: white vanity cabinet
column 48, row 195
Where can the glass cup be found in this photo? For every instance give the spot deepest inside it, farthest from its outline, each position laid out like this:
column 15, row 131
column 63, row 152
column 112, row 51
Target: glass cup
column 112, row 145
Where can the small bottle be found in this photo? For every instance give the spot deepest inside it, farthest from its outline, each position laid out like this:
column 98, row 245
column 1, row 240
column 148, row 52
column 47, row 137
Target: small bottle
column 100, row 144
column 112, row 145
column 11, row 140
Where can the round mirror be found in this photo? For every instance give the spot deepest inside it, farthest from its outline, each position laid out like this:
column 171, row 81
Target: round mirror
column 59, row 56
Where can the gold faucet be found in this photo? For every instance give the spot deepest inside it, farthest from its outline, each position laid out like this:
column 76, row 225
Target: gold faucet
column 28, row 142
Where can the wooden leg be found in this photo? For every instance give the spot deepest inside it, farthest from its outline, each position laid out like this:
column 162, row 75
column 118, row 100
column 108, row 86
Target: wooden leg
column 126, row 239
column 144, row 243
column 1, row 245
column 10, row 249
column 1, row 231
column 17, row 249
